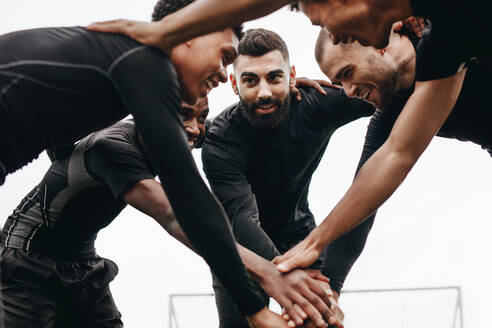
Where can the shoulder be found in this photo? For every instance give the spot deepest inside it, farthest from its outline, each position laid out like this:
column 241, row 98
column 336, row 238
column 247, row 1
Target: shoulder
column 116, row 146
column 223, row 123
column 109, row 141
column 225, row 139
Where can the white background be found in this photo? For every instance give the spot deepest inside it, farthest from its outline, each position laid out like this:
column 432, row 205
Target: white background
column 434, row 231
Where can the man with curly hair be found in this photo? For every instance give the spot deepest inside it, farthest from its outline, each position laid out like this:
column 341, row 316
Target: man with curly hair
column 59, row 84
column 51, row 273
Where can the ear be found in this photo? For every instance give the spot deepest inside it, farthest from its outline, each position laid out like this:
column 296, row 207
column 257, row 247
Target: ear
column 234, row 83
column 292, row 76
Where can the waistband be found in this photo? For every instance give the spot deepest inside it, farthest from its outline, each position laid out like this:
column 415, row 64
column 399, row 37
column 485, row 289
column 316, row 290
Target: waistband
column 46, row 241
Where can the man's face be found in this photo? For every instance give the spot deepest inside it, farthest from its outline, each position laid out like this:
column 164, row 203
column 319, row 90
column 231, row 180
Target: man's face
column 194, row 118
column 364, row 72
column 262, row 84
column 351, row 19
column 201, row 63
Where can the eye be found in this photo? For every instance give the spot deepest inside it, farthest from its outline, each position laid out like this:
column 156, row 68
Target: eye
column 249, row 81
column 185, row 113
column 347, row 73
column 275, row 78
column 202, row 119
column 227, row 59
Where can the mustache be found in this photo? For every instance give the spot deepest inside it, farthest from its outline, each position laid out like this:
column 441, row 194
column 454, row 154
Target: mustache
column 266, row 102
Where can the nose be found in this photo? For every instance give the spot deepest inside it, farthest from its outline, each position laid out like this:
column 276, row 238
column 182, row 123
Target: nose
column 223, row 75
column 191, row 128
column 264, row 91
column 350, row 89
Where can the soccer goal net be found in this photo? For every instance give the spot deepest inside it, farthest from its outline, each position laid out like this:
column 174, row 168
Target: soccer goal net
column 437, row 307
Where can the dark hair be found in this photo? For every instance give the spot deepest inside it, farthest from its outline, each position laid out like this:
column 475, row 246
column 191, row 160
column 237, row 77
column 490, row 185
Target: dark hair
column 295, row 5
column 258, row 42
column 166, row 7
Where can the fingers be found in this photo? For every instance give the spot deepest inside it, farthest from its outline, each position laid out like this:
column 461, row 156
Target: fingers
column 297, row 93
column 318, row 87
column 295, row 317
column 398, row 26
column 317, row 275
column 307, row 306
column 328, row 84
column 415, row 26
column 288, row 264
column 321, row 298
column 112, row 26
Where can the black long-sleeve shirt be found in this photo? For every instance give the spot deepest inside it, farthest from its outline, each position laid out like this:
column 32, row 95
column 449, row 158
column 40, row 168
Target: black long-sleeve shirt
column 262, row 177
column 461, row 31
column 59, row 84
column 470, row 120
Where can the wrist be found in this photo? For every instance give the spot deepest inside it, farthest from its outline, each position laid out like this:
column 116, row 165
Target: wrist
column 257, row 317
column 264, row 271
column 315, row 240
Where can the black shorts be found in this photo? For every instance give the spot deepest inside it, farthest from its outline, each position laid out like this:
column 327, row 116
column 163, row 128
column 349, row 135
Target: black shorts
column 38, row 291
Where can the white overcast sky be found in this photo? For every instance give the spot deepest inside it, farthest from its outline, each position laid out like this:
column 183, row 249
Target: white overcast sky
column 433, row 232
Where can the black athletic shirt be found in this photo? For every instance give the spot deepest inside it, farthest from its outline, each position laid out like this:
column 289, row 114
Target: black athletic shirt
column 470, row 120
column 262, row 177
column 59, row 84
column 461, row 31
column 80, row 194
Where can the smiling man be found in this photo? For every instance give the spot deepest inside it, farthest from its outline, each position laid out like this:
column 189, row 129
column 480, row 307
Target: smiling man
column 51, row 275
column 260, row 154
column 60, row 84
column 386, row 79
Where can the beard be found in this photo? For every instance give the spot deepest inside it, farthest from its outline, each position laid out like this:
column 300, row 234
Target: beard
column 388, row 90
column 387, row 78
column 265, row 121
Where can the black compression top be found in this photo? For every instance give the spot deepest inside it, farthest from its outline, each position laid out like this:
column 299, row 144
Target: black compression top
column 460, row 32
column 469, row 121
column 59, row 84
column 79, row 195
column 262, row 177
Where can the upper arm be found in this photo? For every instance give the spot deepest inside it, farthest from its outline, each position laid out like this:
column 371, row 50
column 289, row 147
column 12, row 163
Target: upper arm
column 119, row 164
column 149, row 197
column 225, row 167
column 423, row 115
column 335, row 109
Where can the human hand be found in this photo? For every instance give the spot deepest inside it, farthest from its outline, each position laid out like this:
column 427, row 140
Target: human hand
column 147, row 33
column 412, row 24
column 300, row 295
column 337, row 315
column 266, row 319
column 302, row 255
column 307, row 82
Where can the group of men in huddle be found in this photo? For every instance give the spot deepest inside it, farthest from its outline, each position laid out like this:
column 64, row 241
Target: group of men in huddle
column 259, row 156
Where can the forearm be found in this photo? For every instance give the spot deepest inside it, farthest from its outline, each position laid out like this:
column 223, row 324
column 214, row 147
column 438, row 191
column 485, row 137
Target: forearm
column 420, row 120
column 205, row 16
column 374, row 184
column 203, row 220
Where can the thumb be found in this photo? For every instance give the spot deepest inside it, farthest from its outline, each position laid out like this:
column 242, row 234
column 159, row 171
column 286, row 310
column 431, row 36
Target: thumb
column 398, row 26
column 285, row 266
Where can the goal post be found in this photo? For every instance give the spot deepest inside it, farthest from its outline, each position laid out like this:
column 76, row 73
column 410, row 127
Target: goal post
column 437, row 307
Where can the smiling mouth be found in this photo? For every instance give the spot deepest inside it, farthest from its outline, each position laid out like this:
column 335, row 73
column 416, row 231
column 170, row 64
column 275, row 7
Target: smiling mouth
column 365, row 94
column 210, row 84
column 265, row 109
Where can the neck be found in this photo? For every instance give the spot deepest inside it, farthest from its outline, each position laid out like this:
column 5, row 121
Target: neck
column 401, row 50
column 397, row 9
